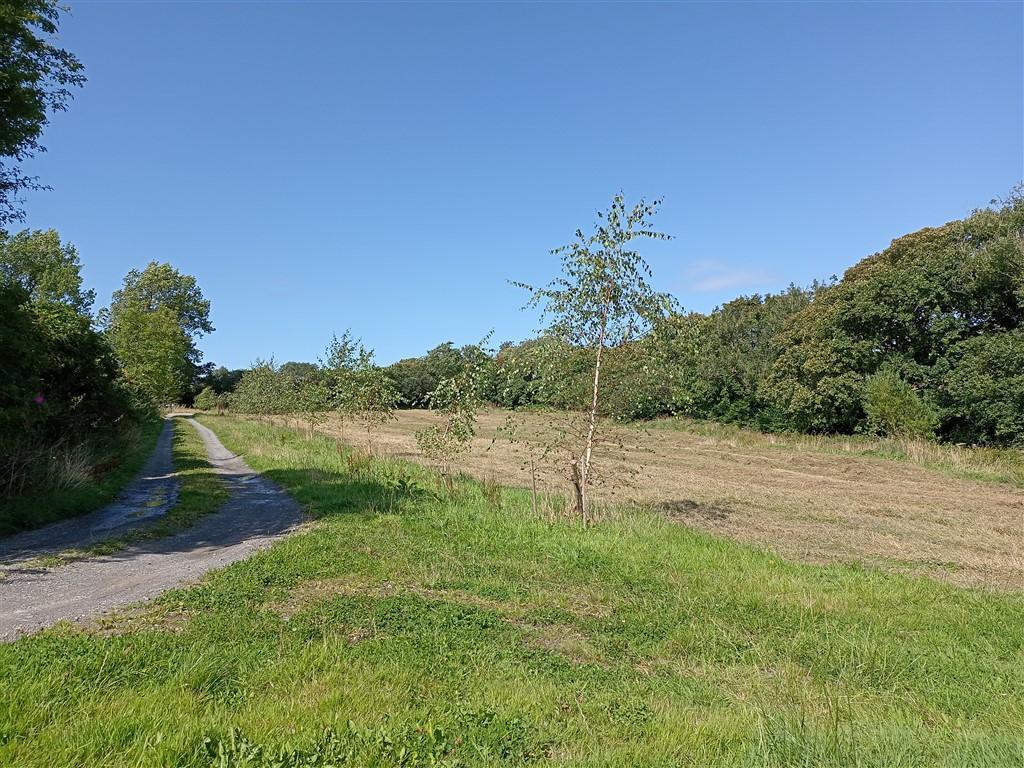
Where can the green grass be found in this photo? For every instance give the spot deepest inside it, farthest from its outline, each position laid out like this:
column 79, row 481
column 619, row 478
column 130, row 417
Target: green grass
column 201, row 492
column 110, row 473
column 407, row 628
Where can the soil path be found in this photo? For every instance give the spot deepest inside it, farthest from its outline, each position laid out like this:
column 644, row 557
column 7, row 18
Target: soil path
column 256, row 514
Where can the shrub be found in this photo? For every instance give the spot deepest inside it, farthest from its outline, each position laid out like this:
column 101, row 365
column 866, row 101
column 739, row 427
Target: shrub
column 894, row 409
column 206, row 400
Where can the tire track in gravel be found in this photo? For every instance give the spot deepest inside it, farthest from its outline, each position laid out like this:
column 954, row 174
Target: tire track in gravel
column 149, row 495
column 256, row 514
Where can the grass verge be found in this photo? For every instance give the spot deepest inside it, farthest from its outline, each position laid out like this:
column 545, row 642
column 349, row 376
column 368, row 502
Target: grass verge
column 110, row 474
column 201, row 492
column 411, row 628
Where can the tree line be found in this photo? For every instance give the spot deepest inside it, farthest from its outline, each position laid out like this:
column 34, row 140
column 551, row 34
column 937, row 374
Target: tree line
column 77, row 383
column 923, row 339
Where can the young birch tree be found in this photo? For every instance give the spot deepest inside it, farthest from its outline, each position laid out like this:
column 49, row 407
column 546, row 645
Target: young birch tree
column 360, row 390
column 374, row 400
column 602, row 300
column 261, row 391
column 346, row 357
column 456, row 398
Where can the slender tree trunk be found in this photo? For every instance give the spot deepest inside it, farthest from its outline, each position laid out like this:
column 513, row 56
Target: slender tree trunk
column 588, row 450
column 577, row 487
column 533, row 479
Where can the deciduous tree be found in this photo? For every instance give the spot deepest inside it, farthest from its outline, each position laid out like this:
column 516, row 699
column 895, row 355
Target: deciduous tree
column 601, row 301
column 457, row 399
column 153, row 351
column 36, row 78
column 159, row 300
column 206, row 400
column 45, row 267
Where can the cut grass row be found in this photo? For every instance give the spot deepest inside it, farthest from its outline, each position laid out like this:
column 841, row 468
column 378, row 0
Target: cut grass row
column 409, row 628
column 987, row 464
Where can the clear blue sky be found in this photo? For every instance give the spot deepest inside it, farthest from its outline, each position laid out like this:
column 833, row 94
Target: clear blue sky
column 388, row 167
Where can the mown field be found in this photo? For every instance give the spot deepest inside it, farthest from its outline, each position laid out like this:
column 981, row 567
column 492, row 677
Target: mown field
column 914, row 507
column 407, row 627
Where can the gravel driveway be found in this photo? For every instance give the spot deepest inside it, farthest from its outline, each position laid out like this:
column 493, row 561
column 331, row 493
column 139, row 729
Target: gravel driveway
column 256, row 514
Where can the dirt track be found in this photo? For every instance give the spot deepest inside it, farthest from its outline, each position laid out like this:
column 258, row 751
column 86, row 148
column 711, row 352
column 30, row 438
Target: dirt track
column 256, row 514
column 149, row 495
column 805, row 504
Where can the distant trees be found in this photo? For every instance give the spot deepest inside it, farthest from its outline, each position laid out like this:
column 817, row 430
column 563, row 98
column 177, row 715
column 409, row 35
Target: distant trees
column 923, row 338
column 709, row 366
column 219, row 379
column 347, row 382
column 206, row 400
column 417, row 377
column 261, row 391
column 37, row 81
column 546, row 371
column 602, row 301
column 940, row 309
column 153, row 322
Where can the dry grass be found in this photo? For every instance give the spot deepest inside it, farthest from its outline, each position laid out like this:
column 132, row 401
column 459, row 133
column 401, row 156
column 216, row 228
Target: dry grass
column 812, row 499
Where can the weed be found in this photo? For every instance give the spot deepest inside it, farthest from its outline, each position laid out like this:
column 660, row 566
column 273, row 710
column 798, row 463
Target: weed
column 491, row 492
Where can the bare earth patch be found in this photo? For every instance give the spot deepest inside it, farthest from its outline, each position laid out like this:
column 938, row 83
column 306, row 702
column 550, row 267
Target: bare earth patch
column 804, row 504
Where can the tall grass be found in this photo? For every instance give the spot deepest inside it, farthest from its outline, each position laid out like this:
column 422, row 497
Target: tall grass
column 46, row 483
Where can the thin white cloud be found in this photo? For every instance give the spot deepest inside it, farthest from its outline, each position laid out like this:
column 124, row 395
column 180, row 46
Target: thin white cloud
column 707, row 276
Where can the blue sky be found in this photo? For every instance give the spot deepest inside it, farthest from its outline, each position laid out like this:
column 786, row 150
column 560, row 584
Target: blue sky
column 388, row 167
